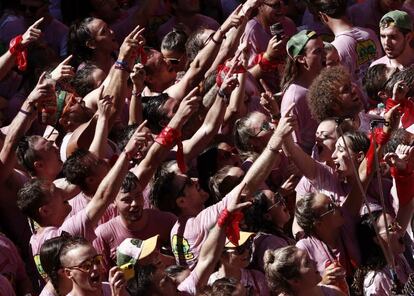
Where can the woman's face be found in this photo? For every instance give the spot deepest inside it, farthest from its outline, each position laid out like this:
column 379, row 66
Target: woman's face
column 328, row 213
column 239, row 256
column 227, row 155
column 326, row 137
column 342, row 161
column 276, row 209
column 395, row 239
column 84, row 267
column 309, row 275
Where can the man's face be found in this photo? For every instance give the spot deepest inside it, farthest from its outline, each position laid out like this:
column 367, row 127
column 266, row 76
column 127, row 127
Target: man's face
column 272, row 10
column 163, row 71
column 393, row 41
column 59, row 207
column 103, row 37
column 315, row 55
column 48, row 154
column 130, row 204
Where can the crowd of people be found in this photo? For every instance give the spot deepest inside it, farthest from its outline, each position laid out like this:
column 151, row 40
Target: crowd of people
column 196, row 147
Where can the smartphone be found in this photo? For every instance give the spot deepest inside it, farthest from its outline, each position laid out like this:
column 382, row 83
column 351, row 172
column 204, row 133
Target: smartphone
column 277, row 30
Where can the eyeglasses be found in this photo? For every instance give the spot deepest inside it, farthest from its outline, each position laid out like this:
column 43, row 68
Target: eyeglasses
column 265, row 127
column 277, row 200
column 393, row 227
column 275, row 6
column 88, row 264
column 174, row 61
column 331, row 208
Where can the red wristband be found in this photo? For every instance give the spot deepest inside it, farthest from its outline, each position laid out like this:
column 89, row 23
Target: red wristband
column 380, row 138
column 168, row 137
column 265, row 64
column 231, row 221
column 19, row 51
column 222, row 71
column 404, row 181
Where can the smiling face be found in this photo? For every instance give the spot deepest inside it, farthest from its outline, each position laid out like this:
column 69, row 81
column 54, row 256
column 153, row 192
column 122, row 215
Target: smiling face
column 130, row 204
column 84, row 268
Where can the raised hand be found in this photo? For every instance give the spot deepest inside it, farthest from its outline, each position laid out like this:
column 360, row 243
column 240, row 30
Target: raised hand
column 138, row 141
column 332, row 274
column 401, row 158
column 104, row 104
column 287, row 123
column 275, row 49
column 399, row 91
column 189, row 104
column 130, row 47
column 267, row 100
column 392, row 117
column 43, row 91
column 32, row 33
column 63, row 70
column 237, row 203
column 234, row 20
column 229, row 84
column 138, row 77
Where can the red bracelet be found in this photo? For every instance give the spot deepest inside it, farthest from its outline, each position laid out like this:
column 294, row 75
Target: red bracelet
column 224, row 218
column 265, row 64
column 19, row 51
column 168, row 137
column 231, row 221
column 222, row 71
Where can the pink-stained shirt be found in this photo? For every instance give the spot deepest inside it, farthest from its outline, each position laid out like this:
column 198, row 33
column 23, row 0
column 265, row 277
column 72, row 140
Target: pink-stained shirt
column 263, row 242
column 189, row 233
column 249, row 278
column 47, row 291
column 386, row 61
column 189, row 285
column 379, row 283
column 6, row 288
column 357, row 49
column 80, row 201
column 78, row 225
column 310, row 22
column 199, row 21
column 347, row 253
column 11, row 264
column 111, row 234
column 106, row 290
column 305, row 134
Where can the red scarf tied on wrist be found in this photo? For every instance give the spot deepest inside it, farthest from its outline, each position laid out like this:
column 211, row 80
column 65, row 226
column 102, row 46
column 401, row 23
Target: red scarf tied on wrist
column 231, row 221
column 19, row 51
column 168, row 137
column 222, row 71
column 407, row 108
column 380, row 138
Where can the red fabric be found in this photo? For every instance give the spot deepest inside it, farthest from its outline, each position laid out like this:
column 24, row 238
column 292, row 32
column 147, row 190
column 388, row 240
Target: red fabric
column 380, row 138
column 407, row 109
column 19, row 51
column 222, row 71
column 404, row 181
column 231, row 221
column 265, row 64
column 143, row 55
column 168, row 137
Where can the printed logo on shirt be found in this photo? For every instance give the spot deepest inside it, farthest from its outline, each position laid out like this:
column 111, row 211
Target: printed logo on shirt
column 366, row 51
column 181, row 248
column 39, row 266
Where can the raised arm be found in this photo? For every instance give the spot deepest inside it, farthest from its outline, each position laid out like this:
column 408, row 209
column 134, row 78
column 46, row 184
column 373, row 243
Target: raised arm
column 157, row 153
column 111, row 184
column 43, row 91
column 135, row 106
column 203, row 60
column 212, row 248
column 100, row 138
column 214, row 118
column 261, row 168
column 8, row 60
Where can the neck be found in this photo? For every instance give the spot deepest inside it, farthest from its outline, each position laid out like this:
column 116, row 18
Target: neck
column 405, row 59
column 305, row 77
column 340, row 25
column 136, row 225
column 76, row 290
column 230, row 271
column 329, row 237
column 103, row 60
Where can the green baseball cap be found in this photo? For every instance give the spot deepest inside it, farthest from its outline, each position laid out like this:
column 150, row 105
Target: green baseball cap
column 401, row 19
column 298, row 41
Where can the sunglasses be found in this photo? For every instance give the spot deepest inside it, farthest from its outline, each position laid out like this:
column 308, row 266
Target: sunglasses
column 88, row 264
column 278, row 199
column 174, row 61
column 188, row 182
column 331, row 208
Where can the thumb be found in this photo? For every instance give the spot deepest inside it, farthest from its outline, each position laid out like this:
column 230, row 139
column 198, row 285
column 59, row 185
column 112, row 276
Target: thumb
column 42, row 78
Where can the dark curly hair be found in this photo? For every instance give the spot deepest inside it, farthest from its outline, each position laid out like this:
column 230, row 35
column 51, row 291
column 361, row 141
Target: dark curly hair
column 32, row 196
column 79, row 166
